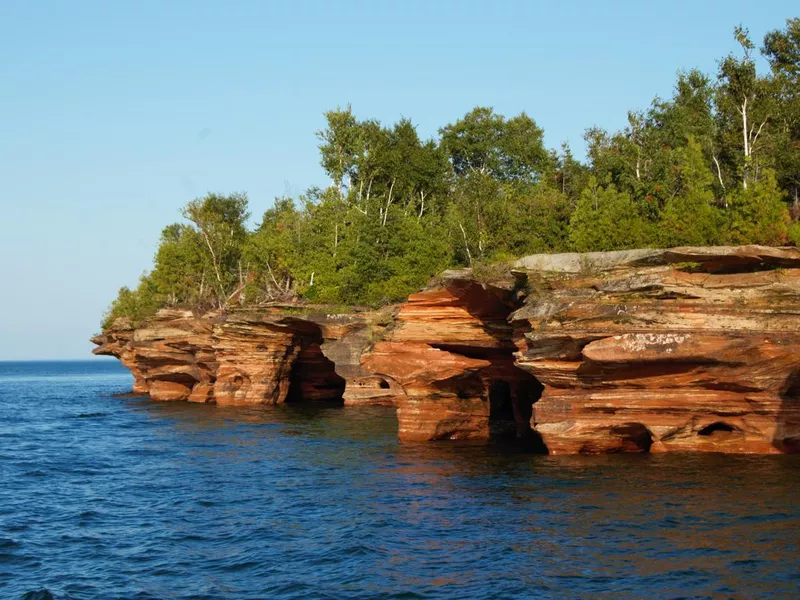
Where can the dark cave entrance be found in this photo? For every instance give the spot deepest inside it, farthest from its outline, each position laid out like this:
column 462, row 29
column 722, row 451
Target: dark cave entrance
column 314, row 379
column 511, row 409
column 501, row 408
column 720, row 428
column 634, row 437
column 787, row 432
column 509, row 391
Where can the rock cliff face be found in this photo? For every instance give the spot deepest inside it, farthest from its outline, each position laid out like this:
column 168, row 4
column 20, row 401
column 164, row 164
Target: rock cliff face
column 701, row 353
column 451, row 352
column 170, row 356
column 687, row 349
column 266, row 356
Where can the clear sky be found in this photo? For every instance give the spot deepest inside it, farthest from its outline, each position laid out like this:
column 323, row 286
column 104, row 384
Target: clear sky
column 115, row 114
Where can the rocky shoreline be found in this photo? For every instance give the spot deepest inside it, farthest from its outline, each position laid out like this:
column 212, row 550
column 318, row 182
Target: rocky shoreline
column 685, row 349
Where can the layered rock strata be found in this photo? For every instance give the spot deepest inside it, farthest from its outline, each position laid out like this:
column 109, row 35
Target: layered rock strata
column 267, row 356
column 170, row 355
column 686, row 349
column 451, row 351
column 693, row 349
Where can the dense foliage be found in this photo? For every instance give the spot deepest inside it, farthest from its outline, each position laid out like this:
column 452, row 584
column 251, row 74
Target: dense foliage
column 717, row 163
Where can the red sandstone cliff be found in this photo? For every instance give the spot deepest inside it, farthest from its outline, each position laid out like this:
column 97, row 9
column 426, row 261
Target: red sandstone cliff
column 452, row 353
column 688, row 349
column 264, row 356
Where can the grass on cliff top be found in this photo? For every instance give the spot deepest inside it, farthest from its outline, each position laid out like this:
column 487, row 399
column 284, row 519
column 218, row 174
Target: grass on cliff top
column 305, row 309
column 493, row 272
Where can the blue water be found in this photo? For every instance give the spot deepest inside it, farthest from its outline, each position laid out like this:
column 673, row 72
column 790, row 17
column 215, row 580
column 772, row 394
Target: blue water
column 106, row 496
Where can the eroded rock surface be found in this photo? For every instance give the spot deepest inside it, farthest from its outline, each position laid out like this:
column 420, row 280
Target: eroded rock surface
column 265, row 356
column 345, row 338
column 170, row 356
column 685, row 349
column 699, row 354
column 451, row 353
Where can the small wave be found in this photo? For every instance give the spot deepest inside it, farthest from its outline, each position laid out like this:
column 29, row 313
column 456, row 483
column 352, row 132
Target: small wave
column 91, row 415
column 746, row 562
column 764, row 518
column 89, row 514
column 240, row 566
column 357, row 550
column 43, row 594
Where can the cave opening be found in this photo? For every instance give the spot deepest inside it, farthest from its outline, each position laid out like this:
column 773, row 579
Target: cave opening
column 184, row 379
column 313, row 378
column 718, row 427
column 792, row 388
column 787, row 430
column 500, row 400
column 633, row 437
column 509, row 392
column 511, row 409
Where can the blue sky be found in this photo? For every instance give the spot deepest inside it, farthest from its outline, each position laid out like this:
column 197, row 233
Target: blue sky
column 115, row 114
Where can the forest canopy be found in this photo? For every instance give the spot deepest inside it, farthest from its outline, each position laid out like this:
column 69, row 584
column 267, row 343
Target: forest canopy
column 717, row 163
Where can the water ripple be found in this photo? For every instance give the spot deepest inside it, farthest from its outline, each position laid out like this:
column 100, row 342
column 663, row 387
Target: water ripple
column 107, row 495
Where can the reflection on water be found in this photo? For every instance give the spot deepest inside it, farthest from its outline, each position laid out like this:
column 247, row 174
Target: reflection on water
column 120, row 497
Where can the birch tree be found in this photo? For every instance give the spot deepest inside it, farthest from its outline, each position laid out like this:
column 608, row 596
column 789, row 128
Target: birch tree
column 742, row 91
column 220, row 221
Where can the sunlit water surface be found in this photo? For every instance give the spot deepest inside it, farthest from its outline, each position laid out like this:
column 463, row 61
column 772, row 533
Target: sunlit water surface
column 105, row 496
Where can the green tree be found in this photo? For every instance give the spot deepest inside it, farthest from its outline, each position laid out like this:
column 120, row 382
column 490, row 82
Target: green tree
column 180, row 272
column 340, row 144
column 220, row 221
column 273, row 253
column 606, row 219
column 486, row 143
column 629, row 160
column 782, row 50
column 570, row 174
column 690, row 217
column 794, row 233
column 689, row 114
column 476, row 197
column 757, row 214
column 135, row 305
column 530, row 221
column 743, row 107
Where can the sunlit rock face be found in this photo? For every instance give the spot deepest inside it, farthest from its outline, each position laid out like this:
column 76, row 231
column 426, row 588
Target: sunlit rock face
column 686, row 349
column 451, row 351
column 345, row 337
column 265, row 356
column 170, row 356
column 257, row 354
column 690, row 349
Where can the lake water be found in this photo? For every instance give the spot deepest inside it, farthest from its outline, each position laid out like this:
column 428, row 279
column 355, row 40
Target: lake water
column 106, row 496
